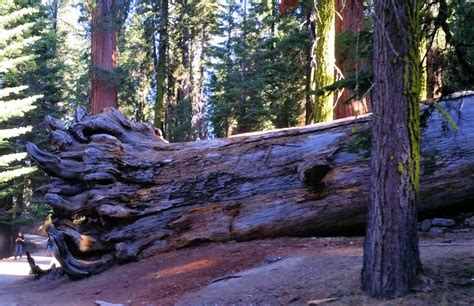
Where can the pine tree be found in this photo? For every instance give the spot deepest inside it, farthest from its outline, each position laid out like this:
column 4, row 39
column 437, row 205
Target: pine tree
column 188, row 51
column 14, row 104
column 160, row 60
column 456, row 20
column 73, row 50
column 222, row 85
column 258, row 78
column 136, row 68
column 391, row 256
column 284, row 66
column 31, row 74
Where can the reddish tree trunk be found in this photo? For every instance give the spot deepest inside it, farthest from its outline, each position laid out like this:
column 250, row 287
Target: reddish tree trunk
column 286, row 5
column 104, row 55
column 349, row 17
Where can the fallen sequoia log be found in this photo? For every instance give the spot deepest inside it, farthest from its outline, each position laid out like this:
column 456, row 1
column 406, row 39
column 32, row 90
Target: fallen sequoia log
column 120, row 192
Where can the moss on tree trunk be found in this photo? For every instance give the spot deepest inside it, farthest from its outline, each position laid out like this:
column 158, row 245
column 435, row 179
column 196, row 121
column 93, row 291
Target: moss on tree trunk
column 391, row 255
column 324, row 49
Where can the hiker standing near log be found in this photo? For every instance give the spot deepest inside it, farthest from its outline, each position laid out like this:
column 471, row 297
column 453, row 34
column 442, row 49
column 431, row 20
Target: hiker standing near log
column 49, row 246
column 20, row 244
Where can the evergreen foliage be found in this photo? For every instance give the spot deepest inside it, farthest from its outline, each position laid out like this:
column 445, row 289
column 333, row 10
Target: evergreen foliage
column 30, row 78
column 457, row 61
column 15, row 103
column 272, row 84
column 136, row 69
column 254, row 65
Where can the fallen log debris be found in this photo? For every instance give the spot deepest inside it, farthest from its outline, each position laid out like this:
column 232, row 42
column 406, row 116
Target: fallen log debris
column 120, row 192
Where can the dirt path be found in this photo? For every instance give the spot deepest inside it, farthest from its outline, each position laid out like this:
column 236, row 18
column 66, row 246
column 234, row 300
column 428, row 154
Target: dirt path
column 283, row 271
column 14, row 271
column 308, row 276
column 284, row 282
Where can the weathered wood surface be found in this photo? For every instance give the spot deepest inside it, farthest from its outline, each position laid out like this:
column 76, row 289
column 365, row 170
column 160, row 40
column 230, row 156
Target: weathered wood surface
column 119, row 192
column 35, row 269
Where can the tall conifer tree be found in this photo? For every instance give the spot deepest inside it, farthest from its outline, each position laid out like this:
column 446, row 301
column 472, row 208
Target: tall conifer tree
column 14, row 104
column 391, row 255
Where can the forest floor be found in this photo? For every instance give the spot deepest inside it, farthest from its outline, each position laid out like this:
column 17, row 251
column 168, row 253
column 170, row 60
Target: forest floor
column 281, row 271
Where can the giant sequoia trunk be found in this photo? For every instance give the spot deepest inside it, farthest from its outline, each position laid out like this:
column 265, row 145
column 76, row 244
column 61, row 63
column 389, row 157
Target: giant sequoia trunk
column 119, row 192
column 349, row 19
column 104, row 27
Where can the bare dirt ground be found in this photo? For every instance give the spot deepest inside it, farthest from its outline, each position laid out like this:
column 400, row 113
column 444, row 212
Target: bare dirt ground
column 282, row 271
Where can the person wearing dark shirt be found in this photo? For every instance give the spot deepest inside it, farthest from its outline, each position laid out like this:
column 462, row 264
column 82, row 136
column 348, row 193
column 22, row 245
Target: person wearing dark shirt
column 20, row 244
column 49, row 246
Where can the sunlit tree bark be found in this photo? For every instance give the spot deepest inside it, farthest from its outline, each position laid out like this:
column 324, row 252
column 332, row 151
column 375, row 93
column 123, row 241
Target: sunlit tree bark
column 309, row 84
column 104, row 55
column 324, row 56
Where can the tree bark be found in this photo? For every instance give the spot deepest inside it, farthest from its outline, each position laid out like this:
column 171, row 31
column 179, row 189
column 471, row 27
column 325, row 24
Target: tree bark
column 391, row 256
column 161, row 65
column 35, row 269
column 180, row 111
column 130, row 193
column 349, row 17
column 104, row 55
column 324, row 55
column 6, row 231
column 200, row 38
column 243, row 125
column 434, row 73
column 287, row 5
column 309, row 83
column 6, row 227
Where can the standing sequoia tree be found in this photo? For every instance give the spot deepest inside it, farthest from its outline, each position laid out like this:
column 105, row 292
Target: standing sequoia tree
column 391, row 255
column 106, row 20
column 349, row 23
